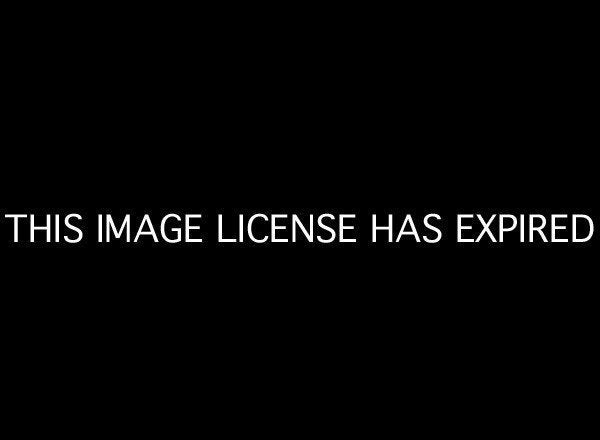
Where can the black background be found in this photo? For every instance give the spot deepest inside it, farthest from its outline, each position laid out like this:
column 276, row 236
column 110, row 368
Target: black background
column 386, row 112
